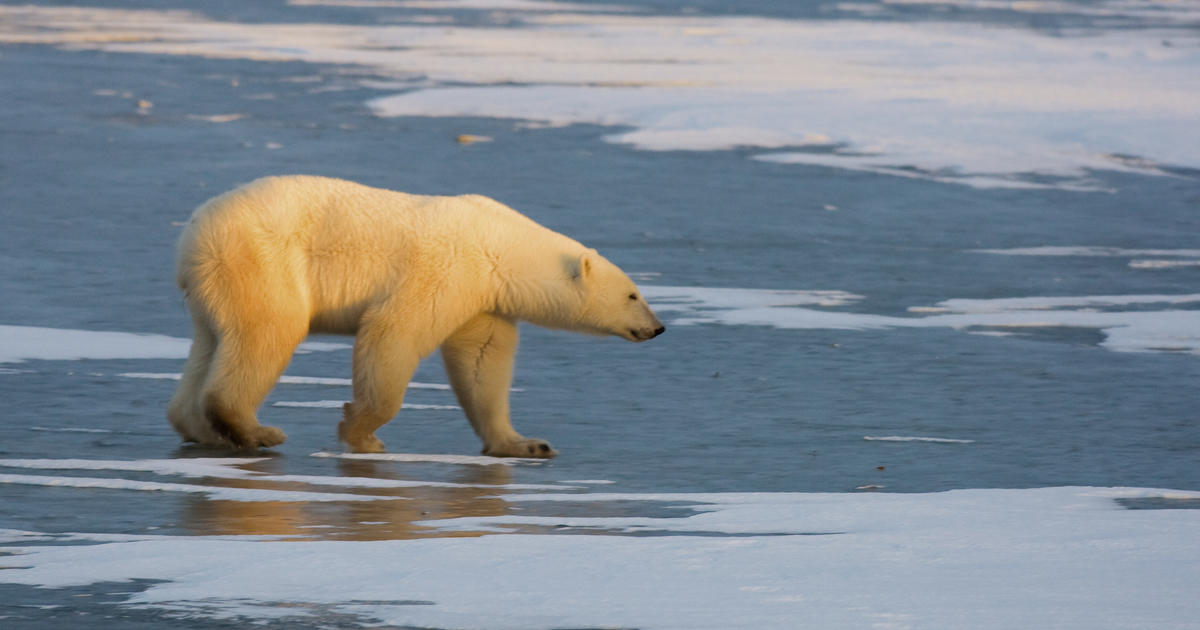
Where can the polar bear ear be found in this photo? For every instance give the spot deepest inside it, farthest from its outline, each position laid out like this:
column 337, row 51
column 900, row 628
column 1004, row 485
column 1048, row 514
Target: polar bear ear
column 586, row 264
column 581, row 267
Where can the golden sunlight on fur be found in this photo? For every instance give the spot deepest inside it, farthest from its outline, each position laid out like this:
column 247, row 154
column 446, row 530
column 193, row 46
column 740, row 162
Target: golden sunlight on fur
column 268, row 263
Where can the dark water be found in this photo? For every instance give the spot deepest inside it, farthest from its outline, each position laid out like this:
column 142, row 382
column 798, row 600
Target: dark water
column 91, row 193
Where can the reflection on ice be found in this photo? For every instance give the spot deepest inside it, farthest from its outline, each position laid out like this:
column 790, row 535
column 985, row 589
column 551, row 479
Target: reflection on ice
column 239, row 496
column 214, row 492
column 472, row 493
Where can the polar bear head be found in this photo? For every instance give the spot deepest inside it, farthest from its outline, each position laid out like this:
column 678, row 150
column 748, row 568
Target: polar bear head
column 610, row 303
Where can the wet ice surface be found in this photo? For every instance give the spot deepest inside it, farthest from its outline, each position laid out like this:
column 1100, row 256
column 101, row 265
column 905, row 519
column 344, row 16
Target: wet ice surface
column 932, row 316
column 494, row 554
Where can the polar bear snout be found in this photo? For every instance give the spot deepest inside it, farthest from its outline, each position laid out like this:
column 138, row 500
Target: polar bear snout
column 646, row 334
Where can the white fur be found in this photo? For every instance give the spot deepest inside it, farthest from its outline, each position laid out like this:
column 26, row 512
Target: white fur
column 266, row 264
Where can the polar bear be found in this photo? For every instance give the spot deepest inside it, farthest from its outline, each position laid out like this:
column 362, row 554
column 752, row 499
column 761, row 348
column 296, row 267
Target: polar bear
column 264, row 265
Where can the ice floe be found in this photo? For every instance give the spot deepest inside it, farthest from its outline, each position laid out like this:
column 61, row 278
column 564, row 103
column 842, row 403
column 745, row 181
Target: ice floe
column 983, row 559
column 337, row 404
column 1164, row 258
column 1088, row 250
column 900, row 438
column 1163, row 264
column 458, row 5
column 69, row 430
column 1028, row 109
column 667, row 298
column 24, row 343
column 1159, row 12
column 1125, row 320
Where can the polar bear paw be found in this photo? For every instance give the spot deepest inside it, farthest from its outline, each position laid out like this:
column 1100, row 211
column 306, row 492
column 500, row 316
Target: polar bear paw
column 266, row 437
column 523, row 447
column 357, row 441
column 367, row 444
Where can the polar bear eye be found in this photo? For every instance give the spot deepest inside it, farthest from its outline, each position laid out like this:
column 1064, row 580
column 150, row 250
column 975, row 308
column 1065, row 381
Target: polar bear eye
column 633, row 296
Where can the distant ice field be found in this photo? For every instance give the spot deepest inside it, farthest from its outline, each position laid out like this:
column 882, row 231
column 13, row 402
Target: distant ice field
column 970, row 103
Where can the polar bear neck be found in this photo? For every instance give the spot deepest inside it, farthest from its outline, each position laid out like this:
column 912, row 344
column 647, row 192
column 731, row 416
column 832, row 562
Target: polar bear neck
column 535, row 271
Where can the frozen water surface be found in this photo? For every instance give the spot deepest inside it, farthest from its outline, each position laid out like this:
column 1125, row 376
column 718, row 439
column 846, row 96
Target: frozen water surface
column 928, row 270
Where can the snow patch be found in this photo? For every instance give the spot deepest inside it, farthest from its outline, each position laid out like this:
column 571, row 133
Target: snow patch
column 460, row 5
column 840, row 561
column 465, row 460
column 287, row 380
column 1135, row 330
column 1030, row 110
column 1088, row 250
column 26, row 343
column 337, row 404
column 897, row 438
column 1163, row 264
column 69, row 430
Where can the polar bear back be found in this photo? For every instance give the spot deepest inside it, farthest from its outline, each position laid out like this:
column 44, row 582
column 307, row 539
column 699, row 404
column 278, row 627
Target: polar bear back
column 336, row 246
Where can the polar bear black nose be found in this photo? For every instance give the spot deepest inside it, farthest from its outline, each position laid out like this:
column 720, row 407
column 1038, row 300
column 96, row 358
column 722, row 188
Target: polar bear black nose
column 645, row 334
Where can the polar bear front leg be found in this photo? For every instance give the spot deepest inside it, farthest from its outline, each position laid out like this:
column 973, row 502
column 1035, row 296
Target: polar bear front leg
column 479, row 362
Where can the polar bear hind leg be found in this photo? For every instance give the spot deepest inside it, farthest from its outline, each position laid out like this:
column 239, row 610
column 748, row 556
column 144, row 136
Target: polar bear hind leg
column 184, row 411
column 246, row 363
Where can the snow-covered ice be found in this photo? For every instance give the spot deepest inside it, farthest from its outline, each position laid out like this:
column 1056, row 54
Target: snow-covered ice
column 1025, row 109
column 1129, row 325
column 21, row 343
column 337, row 404
column 471, row 460
column 906, row 438
column 24, row 343
column 1048, row 558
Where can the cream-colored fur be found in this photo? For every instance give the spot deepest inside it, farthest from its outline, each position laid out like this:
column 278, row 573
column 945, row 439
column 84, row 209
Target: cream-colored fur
column 266, row 264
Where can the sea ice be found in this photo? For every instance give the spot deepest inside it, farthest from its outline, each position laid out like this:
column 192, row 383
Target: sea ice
column 1068, row 558
column 22, row 343
column 1028, row 109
